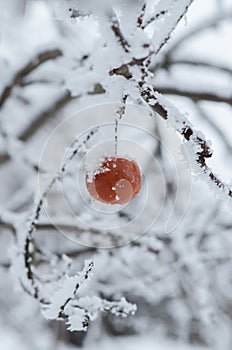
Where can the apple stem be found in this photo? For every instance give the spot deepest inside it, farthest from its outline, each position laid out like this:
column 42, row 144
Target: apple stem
column 116, row 138
column 120, row 112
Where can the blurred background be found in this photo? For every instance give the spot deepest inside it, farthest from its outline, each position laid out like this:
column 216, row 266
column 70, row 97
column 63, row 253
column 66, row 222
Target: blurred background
column 181, row 282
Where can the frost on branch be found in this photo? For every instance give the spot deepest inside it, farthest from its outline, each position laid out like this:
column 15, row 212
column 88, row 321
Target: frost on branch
column 58, row 296
column 198, row 147
column 66, row 292
column 88, row 308
column 79, row 311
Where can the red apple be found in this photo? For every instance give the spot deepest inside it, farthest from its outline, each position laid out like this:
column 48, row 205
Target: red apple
column 116, row 181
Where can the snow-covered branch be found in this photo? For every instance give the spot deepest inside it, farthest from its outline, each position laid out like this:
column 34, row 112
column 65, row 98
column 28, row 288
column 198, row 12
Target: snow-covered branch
column 198, row 146
column 61, row 304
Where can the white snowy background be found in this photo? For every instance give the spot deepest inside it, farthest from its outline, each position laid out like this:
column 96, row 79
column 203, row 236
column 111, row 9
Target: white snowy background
column 181, row 283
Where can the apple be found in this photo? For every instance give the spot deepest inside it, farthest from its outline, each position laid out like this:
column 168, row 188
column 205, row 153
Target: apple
column 116, row 181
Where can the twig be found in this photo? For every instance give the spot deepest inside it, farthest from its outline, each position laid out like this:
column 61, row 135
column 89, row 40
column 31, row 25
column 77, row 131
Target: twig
column 124, row 69
column 26, row 70
column 32, row 225
column 120, row 112
column 218, row 131
column 198, row 64
column 154, row 18
column 199, row 28
column 84, row 277
column 179, row 16
column 44, row 116
column 155, row 101
column 194, row 95
column 115, row 26
column 141, row 16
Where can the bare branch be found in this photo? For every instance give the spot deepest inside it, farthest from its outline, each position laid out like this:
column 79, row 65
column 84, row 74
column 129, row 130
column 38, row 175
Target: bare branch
column 26, row 70
column 115, row 26
column 124, row 69
column 218, row 131
column 38, row 122
column 141, row 16
column 199, row 28
column 198, row 64
column 154, row 18
column 44, row 116
column 194, row 95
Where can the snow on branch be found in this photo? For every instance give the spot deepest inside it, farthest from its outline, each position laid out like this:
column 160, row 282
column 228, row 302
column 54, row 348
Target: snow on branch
column 140, row 18
column 171, row 12
column 115, row 26
column 78, row 312
column 31, row 284
column 89, row 307
column 198, row 146
column 143, row 46
column 67, row 291
column 63, row 302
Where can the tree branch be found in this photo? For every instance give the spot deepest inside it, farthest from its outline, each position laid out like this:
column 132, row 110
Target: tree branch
column 194, row 95
column 201, row 150
column 115, row 26
column 154, row 18
column 141, row 16
column 168, row 26
column 218, row 131
column 26, row 70
column 199, row 28
column 33, row 222
column 197, row 64
column 44, row 116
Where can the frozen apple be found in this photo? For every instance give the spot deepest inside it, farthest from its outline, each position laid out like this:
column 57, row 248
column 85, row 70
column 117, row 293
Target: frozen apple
column 116, row 181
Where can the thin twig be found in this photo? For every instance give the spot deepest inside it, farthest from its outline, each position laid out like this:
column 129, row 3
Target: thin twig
column 32, row 224
column 179, row 17
column 140, row 19
column 26, row 70
column 115, row 26
column 199, row 28
column 154, row 18
column 215, row 127
column 44, row 116
column 194, row 95
column 199, row 64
